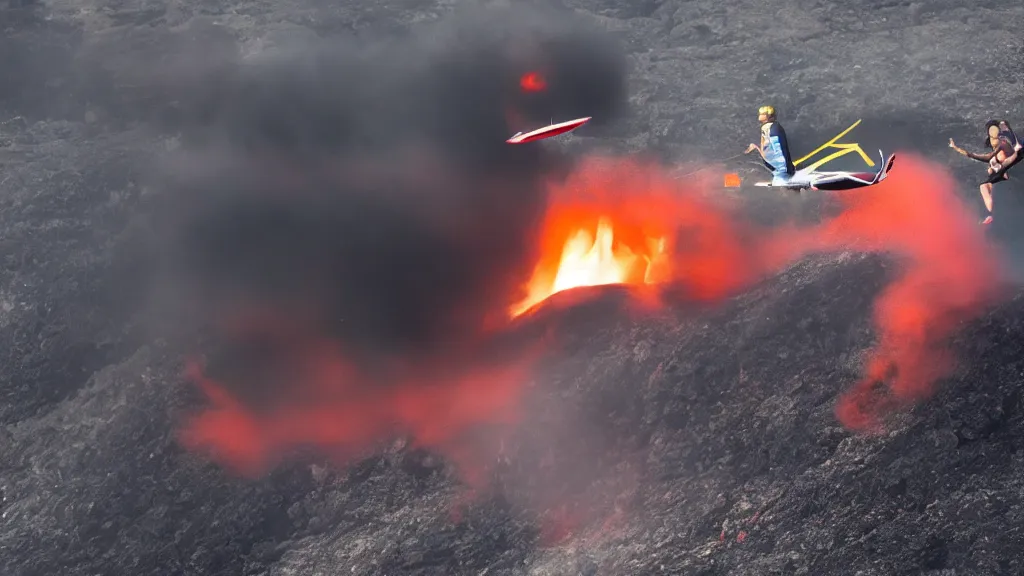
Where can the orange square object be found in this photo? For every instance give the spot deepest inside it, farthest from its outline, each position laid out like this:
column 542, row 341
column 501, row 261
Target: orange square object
column 732, row 180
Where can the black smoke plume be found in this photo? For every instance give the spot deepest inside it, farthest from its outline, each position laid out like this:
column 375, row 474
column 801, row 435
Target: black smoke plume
column 367, row 188
column 349, row 226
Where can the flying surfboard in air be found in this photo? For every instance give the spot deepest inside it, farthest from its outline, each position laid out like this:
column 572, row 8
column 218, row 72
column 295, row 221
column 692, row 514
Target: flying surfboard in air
column 547, row 131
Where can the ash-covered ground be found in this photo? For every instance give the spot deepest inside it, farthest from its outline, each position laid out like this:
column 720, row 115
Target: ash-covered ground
column 700, row 441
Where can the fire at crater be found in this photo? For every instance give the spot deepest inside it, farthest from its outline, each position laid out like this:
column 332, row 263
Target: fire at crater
column 397, row 247
column 593, row 256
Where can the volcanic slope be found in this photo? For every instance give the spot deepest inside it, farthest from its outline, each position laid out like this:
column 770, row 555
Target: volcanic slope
column 713, row 430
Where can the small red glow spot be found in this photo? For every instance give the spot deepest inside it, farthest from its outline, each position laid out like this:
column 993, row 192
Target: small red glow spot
column 532, row 82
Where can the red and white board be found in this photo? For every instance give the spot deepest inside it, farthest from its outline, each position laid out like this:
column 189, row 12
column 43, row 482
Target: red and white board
column 548, row 131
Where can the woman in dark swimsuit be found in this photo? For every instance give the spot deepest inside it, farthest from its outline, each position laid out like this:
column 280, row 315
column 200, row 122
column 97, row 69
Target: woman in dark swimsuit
column 1005, row 153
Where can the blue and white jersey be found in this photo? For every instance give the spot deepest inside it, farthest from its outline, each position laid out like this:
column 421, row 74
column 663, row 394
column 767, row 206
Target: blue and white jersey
column 776, row 149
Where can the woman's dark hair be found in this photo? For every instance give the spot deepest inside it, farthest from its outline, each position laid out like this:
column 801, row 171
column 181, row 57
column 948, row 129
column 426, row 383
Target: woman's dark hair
column 988, row 125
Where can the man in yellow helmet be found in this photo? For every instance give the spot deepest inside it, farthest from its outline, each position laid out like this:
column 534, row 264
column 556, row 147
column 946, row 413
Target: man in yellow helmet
column 774, row 148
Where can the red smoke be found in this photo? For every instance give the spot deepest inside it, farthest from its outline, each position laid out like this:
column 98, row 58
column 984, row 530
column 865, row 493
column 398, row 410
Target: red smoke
column 325, row 402
column 948, row 275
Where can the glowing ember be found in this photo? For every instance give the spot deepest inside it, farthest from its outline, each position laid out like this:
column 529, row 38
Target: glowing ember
column 532, row 82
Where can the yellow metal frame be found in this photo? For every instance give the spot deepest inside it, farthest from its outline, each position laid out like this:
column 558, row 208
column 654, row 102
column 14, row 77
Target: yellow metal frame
column 843, row 149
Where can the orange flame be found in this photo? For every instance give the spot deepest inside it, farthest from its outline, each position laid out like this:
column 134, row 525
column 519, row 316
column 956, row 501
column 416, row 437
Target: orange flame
column 581, row 249
column 593, row 259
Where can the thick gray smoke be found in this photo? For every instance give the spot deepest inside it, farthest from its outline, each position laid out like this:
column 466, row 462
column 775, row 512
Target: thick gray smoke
column 370, row 187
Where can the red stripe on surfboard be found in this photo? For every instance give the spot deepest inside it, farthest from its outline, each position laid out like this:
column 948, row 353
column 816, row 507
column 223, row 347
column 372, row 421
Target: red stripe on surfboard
column 548, row 131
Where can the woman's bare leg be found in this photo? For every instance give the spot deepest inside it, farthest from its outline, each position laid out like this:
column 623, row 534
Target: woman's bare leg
column 986, row 196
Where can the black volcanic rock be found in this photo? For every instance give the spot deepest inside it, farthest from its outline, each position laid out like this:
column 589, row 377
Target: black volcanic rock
column 698, row 442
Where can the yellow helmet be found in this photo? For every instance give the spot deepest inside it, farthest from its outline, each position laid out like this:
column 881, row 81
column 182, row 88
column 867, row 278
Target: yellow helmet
column 768, row 111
